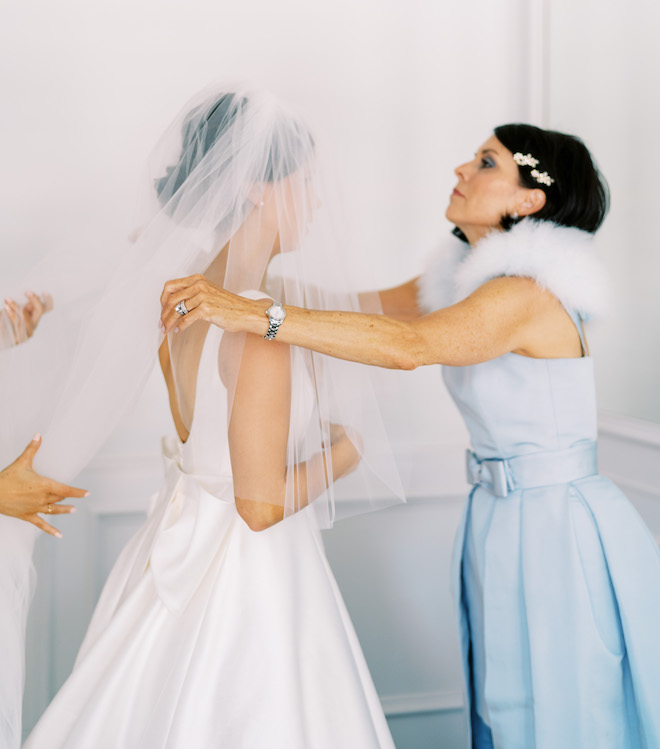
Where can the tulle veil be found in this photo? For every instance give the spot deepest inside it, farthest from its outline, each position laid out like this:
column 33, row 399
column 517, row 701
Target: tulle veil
column 236, row 189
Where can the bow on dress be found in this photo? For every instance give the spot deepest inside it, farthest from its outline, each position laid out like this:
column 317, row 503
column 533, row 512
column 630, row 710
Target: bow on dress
column 188, row 516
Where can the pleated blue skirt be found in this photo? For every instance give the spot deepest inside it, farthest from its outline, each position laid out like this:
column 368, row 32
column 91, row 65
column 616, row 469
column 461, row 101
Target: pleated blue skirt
column 558, row 592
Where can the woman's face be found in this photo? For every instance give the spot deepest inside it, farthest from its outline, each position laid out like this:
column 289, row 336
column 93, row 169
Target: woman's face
column 488, row 189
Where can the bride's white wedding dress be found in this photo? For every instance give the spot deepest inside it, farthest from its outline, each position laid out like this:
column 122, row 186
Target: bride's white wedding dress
column 208, row 634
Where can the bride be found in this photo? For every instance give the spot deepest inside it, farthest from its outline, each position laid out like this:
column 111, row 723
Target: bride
column 207, row 633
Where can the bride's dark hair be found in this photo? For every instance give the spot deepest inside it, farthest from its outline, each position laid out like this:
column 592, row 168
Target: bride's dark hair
column 205, row 124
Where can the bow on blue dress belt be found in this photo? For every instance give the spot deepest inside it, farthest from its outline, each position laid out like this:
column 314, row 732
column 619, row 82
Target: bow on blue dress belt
column 501, row 476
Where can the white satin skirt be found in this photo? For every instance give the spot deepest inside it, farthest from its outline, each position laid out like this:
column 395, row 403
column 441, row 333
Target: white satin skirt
column 210, row 635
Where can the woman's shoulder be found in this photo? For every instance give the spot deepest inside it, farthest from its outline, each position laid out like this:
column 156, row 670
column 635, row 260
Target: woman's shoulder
column 560, row 260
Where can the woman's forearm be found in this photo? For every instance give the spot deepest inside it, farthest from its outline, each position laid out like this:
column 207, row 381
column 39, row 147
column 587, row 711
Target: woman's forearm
column 369, row 339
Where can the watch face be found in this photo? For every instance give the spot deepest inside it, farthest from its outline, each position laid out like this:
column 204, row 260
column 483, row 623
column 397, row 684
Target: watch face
column 276, row 312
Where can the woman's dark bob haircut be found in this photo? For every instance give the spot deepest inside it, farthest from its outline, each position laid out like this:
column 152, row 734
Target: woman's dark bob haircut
column 578, row 197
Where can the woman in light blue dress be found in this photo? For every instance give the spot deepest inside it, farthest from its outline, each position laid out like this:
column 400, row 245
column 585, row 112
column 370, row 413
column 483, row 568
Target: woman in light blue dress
column 557, row 578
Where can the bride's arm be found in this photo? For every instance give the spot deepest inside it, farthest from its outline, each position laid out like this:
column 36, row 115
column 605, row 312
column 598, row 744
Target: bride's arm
column 258, row 435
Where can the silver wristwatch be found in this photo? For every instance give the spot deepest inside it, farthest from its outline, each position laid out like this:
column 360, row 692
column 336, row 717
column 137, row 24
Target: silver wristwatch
column 276, row 314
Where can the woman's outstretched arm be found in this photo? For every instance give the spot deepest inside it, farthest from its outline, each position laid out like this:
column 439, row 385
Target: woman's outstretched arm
column 505, row 314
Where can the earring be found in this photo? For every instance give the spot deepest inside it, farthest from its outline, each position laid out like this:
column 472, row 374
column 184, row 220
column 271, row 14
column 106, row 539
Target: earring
column 514, row 215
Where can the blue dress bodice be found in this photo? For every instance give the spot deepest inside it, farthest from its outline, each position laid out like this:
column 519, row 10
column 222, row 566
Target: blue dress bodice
column 515, row 405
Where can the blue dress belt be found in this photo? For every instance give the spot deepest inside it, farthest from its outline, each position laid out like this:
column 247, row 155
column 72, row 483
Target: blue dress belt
column 505, row 475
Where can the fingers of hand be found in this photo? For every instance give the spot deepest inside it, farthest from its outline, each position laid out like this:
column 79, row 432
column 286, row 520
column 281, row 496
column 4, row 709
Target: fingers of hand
column 35, row 301
column 14, row 314
column 171, row 287
column 61, row 491
column 12, row 310
column 199, row 313
column 44, row 526
column 31, row 450
column 56, row 509
column 32, row 312
column 30, row 320
column 169, row 316
column 193, row 296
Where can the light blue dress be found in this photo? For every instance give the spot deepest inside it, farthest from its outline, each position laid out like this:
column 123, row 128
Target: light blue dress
column 557, row 578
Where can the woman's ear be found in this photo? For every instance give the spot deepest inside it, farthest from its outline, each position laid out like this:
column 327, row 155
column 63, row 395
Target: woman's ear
column 533, row 201
column 257, row 194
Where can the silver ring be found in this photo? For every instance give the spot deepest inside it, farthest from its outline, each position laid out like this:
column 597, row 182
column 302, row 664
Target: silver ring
column 181, row 308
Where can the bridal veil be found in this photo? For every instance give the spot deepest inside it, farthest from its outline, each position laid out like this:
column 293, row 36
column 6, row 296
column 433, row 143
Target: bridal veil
column 236, row 189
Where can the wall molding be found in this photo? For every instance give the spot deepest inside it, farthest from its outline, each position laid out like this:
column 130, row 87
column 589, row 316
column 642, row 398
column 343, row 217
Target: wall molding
column 415, row 703
column 626, row 427
column 628, row 454
column 629, row 451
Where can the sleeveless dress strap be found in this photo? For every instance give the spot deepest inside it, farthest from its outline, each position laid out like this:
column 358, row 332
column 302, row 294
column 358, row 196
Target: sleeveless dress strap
column 577, row 321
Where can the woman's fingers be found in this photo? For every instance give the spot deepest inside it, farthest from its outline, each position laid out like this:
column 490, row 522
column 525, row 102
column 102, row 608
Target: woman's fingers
column 193, row 296
column 169, row 315
column 57, row 509
column 171, row 287
column 199, row 313
column 44, row 526
column 27, row 456
column 204, row 301
column 61, row 491
column 13, row 313
column 32, row 312
column 47, row 301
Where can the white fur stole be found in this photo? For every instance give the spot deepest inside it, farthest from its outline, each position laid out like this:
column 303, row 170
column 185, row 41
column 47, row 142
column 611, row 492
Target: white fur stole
column 560, row 259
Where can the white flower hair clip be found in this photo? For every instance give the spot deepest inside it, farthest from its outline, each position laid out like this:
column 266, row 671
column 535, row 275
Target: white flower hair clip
column 543, row 178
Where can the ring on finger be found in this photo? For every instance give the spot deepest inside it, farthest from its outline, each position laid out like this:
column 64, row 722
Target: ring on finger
column 50, row 509
column 181, row 308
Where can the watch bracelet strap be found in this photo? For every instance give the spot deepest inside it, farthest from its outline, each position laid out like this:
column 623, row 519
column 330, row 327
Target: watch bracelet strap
column 273, row 327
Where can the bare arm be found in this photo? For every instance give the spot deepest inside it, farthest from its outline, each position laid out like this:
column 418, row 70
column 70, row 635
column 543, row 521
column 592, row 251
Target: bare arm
column 507, row 314
column 399, row 302
column 258, row 434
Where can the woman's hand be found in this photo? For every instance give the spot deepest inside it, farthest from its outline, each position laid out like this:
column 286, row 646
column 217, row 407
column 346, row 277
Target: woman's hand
column 35, row 308
column 206, row 301
column 16, row 321
column 24, row 320
column 347, row 449
column 24, row 493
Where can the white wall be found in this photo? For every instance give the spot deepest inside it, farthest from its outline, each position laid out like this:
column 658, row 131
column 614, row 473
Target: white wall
column 604, row 78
